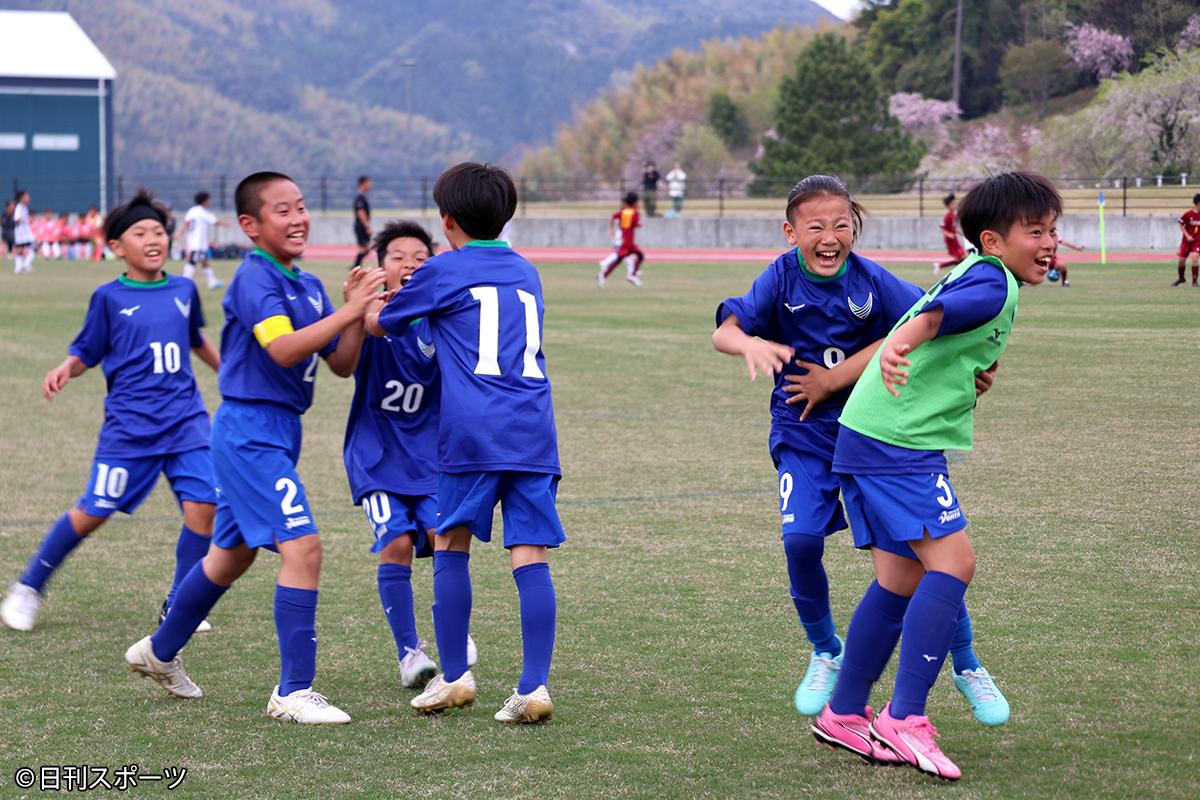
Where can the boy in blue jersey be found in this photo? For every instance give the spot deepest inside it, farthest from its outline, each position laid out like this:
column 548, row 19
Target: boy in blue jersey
column 815, row 318
column 891, row 463
column 278, row 322
column 496, row 436
column 141, row 327
column 391, row 449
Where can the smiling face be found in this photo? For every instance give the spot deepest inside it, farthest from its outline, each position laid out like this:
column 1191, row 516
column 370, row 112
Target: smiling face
column 144, row 247
column 823, row 230
column 401, row 259
column 1028, row 249
column 282, row 224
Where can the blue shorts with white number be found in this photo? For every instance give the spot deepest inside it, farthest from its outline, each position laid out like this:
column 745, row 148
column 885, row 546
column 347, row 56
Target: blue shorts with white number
column 260, row 499
column 468, row 500
column 394, row 515
column 808, row 493
column 121, row 484
column 889, row 511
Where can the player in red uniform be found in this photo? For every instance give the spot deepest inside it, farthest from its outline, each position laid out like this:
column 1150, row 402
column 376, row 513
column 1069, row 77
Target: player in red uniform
column 627, row 219
column 1189, row 223
column 949, row 229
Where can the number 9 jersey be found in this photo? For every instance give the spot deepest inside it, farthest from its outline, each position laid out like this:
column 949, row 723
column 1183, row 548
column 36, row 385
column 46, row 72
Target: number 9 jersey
column 392, row 432
column 484, row 306
column 144, row 333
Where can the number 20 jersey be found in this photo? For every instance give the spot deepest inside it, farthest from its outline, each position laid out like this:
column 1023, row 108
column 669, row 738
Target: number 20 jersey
column 144, row 333
column 485, row 309
column 392, row 432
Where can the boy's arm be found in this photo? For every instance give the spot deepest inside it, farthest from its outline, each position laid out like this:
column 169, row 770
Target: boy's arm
column 208, row 354
column 759, row 353
column 908, row 337
column 57, row 378
column 1183, row 228
column 291, row 348
column 820, row 382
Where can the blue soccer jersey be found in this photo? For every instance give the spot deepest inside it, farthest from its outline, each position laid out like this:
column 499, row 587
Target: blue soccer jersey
column 825, row 320
column 485, row 309
column 392, row 433
column 266, row 300
column 143, row 333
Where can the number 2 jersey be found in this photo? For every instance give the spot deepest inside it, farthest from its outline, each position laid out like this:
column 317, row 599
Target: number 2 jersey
column 825, row 320
column 484, row 307
column 392, row 432
column 143, row 333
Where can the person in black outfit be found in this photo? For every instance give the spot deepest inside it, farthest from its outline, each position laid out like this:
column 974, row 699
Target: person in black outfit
column 8, row 227
column 362, row 220
column 650, row 178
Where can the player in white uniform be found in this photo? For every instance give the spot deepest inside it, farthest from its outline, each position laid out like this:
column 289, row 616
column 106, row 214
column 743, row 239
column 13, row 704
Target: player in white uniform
column 195, row 226
column 23, row 251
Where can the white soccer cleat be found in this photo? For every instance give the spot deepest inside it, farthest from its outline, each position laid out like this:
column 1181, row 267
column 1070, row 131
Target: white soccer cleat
column 600, row 279
column 634, row 279
column 306, row 707
column 20, row 607
column 440, row 694
column 169, row 675
column 472, row 652
column 532, row 707
column 416, row 668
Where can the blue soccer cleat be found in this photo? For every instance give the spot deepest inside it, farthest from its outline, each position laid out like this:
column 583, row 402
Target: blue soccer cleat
column 988, row 705
column 817, row 687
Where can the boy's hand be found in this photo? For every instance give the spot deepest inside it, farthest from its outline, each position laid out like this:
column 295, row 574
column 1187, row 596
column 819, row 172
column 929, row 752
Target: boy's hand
column 890, row 362
column 360, row 288
column 768, row 356
column 985, row 379
column 813, row 387
column 55, row 380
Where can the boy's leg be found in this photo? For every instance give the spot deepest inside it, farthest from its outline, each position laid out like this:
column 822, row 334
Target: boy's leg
column 296, row 611
column 211, row 277
column 1181, row 265
column 199, row 591
column 539, row 611
column 970, row 678
column 189, row 269
column 194, row 538
column 1195, row 268
column 452, row 600
column 394, row 577
column 20, row 606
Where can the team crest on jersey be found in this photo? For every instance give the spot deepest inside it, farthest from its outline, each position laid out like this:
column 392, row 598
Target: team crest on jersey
column 184, row 308
column 863, row 311
column 427, row 350
column 316, row 303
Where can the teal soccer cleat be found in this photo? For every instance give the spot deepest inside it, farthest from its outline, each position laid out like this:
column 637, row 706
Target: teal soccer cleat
column 817, row 687
column 987, row 703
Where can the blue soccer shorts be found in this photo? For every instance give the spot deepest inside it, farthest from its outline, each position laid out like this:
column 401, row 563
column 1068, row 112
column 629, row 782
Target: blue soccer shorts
column 394, row 515
column 527, row 506
column 260, row 499
column 808, row 493
column 889, row 511
column 122, row 484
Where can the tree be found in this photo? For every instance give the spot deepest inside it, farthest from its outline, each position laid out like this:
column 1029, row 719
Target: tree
column 725, row 117
column 832, row 117
column 1034, row 73
column 1098, row 52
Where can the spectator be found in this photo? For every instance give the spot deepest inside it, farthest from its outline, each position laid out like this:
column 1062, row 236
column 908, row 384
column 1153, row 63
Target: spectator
column 676, row 189
column 650, row 178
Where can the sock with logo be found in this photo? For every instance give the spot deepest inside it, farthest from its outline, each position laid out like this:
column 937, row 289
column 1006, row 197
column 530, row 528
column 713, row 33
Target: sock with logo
column 539, row 610
column 452, row 610
column 810, row 590
column 194, row 598
column 396, row 594
column 961, row 650
column 189, row 550
column 56, row 545
column 928, row 628
column 870, row 640
column 296, row 627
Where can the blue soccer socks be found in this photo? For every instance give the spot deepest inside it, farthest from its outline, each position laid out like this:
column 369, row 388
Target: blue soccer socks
column 810, row 589
column 870, row 639
column 190, row 548
column 194, row 598
column 56, row 545
column 295, row 624
column 396, row 594
column 539, row 610
column 961, row 650
column 928, row 628
column 452, row 610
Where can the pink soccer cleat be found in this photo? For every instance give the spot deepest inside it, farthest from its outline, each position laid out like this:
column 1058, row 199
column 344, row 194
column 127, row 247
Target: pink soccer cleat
column 852, row 732
column 912, row 739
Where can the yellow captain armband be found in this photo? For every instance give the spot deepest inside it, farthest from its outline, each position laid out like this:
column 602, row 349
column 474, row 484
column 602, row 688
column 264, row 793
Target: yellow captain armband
column 272, row 328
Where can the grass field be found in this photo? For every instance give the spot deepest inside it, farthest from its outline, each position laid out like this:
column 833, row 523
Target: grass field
column 678, row 649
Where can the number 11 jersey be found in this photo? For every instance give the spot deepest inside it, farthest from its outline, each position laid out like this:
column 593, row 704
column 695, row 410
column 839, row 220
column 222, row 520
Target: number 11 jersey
column 484, row 306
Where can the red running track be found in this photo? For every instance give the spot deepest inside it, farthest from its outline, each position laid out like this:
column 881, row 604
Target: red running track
column 334, row 252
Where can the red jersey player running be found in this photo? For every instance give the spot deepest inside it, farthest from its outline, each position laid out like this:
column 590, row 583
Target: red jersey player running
column 949, row 229
column 1189, row 223
column 627, row 219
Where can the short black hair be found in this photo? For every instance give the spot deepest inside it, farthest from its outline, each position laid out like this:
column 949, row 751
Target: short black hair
column 630, row 198
column 20, row 193
column 815, row 186
column 482, row 198
column 399, row 229
column 948, row 199
column 363, row 179
column 247, row 199
column 1003, row 200
column 200, row 197
column 143, row 197
column 1195, row 199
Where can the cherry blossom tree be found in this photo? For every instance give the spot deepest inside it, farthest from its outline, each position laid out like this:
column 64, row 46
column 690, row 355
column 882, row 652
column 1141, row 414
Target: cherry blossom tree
column 1098, row 52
